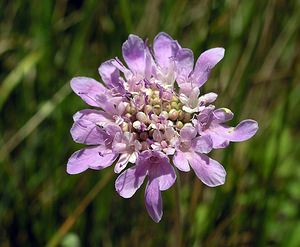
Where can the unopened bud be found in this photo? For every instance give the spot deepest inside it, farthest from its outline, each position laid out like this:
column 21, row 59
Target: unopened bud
column 125, row 126
column 137, row 125
column 179, row 124
column 173, row 114
column 145, row 145
column 174, row 99
column 180, row 114
column 174, row 105
column 142, row 117
column 156, row 109
column 143, row 136
column 164, row 114
column 187, row 117
column 147, row 108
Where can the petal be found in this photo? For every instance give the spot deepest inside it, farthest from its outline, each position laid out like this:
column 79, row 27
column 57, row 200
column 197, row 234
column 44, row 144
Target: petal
column 222, row 115
column 180, row 161
column 153, row 200
column 134, row 53
column 88, row 89
column 163, row 172
column 188, row 132
column 244, row 131
column 95, row 116
column 130, row 180
column 209, row 171
column 87, row 132
column 93, row 157
column 110, row 76
column 184, row 64
column 206, row 61
column 203, row 144
column 122, row 163
column 165, row 48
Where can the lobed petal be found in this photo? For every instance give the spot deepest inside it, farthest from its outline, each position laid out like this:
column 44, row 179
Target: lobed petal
column 203, row 144
column 188, row 132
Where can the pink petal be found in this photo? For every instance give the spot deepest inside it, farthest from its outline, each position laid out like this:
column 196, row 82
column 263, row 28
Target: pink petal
column 130, row 180
column 88, row 89
column 206, row 61
column 180, row 161
column 153, row 200
column 94, row 116
column 93, row 157
column 209, row 171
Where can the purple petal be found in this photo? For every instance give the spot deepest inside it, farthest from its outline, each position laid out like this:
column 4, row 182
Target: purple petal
column 153, row 200
column 93, row 157
column 95, row 116
column 110, row 75
column 88, row 89
column 203, row 144
column 206, row 61
column 134, row 53
column 222, row 115
column 244, row 131
column 87, row 132
column 184, row 64
column 180, row 161
column 163, row 172
column 209, row 171
column 165, row 48
column 122, row 163
column 130, row 180
column 188, row 132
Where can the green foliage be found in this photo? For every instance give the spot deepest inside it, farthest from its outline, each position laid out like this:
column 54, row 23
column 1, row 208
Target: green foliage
column 43, row 44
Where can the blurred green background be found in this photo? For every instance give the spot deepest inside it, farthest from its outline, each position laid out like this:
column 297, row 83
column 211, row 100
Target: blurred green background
column 43, row 44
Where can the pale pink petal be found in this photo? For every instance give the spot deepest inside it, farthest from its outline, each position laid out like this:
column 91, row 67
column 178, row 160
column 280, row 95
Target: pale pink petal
column 100, row 117
column 243, row 131
column 122, row 163
column 222, row 115
column 188, row 132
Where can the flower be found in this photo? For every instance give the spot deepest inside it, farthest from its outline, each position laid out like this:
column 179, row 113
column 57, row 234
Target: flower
column 151, row 117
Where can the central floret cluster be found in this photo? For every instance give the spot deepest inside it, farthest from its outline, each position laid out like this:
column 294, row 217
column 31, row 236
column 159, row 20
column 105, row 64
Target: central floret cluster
column 152, row 118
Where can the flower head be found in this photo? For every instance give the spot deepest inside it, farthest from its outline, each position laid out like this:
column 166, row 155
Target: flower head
column 151, row 115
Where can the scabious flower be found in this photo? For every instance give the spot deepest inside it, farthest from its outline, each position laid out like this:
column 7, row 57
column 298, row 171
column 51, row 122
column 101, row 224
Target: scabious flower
column 150, row 116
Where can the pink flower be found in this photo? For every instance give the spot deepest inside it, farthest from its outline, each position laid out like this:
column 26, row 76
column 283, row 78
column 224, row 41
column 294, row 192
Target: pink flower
column 142, row 120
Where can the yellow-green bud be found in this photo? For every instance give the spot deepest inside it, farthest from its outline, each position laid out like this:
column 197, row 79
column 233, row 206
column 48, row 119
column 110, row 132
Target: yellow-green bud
column 174, row 105
column 174, row 99
column 148, row 108
column 156, row 109
column 180, row 114
column 187, row 117
column 179, row 124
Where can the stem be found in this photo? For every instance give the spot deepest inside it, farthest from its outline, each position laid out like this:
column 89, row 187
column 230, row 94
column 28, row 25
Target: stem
column 178, row 225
